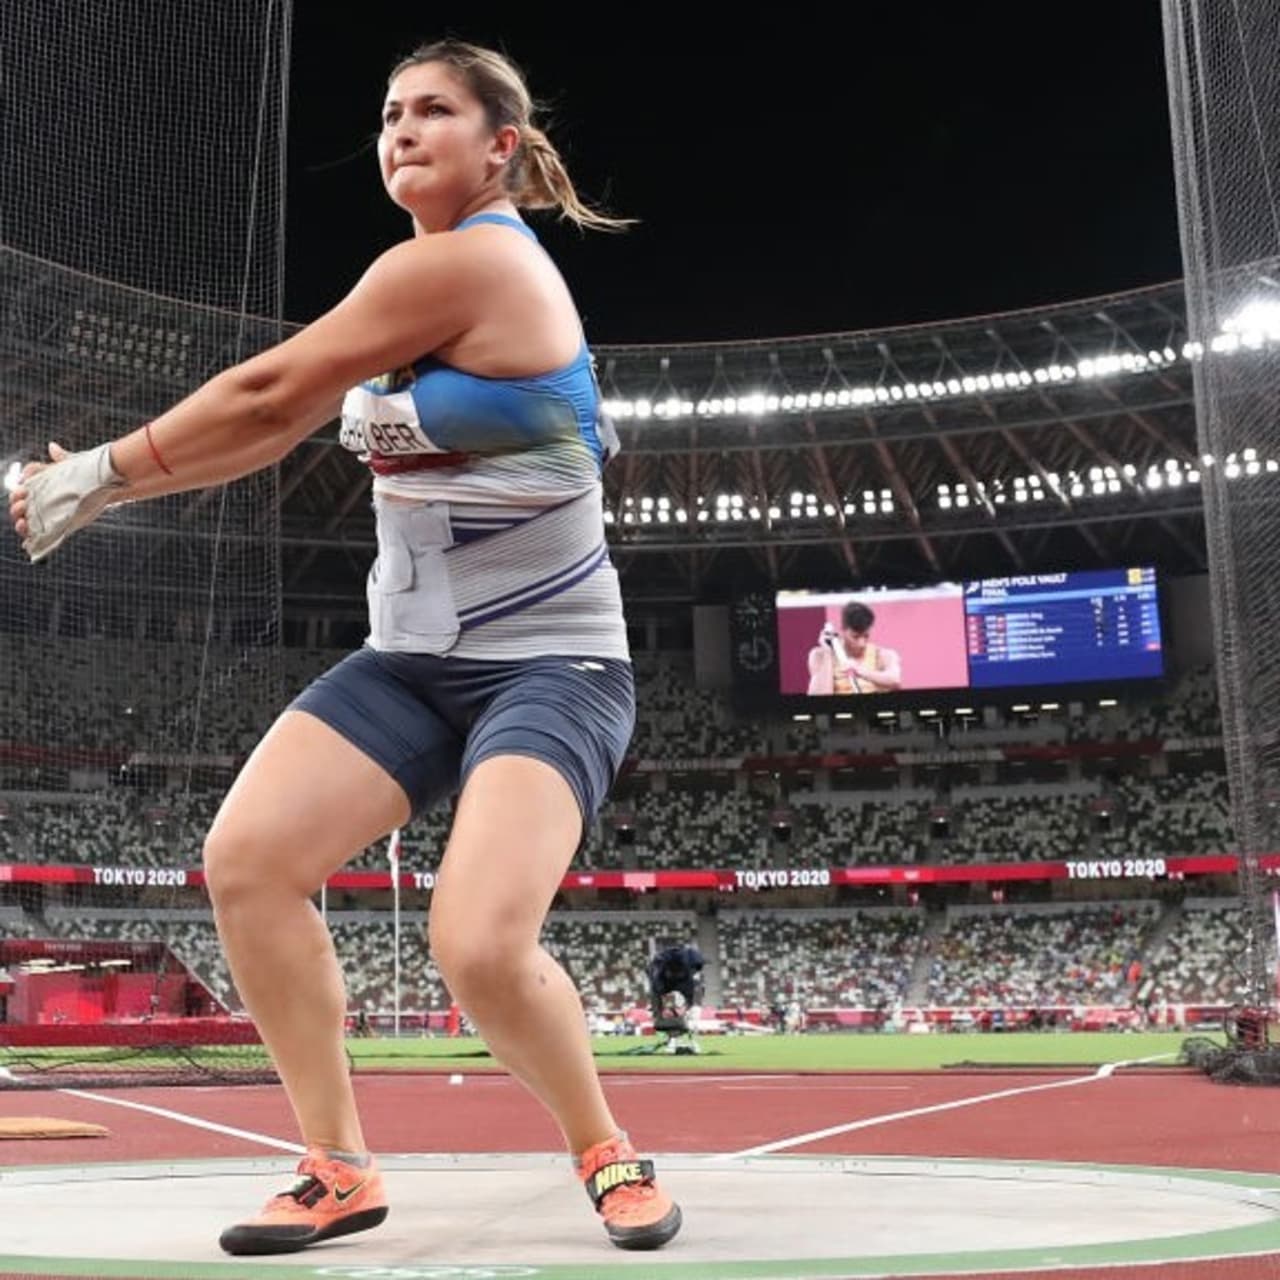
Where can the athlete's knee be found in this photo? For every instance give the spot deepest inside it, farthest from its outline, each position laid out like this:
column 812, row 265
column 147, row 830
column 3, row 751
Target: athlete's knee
column 242, row 860
column 477, row 962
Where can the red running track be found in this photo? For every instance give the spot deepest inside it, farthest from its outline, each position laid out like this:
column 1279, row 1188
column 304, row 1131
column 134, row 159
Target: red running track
column 1136, row 1118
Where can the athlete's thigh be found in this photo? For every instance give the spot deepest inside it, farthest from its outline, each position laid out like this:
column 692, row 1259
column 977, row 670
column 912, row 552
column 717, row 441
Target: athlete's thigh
column 306, row 801
column 515, row 831
column 537, row 764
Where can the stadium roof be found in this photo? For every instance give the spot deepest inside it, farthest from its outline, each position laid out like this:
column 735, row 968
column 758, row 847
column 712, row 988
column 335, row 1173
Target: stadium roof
column 1053, row 438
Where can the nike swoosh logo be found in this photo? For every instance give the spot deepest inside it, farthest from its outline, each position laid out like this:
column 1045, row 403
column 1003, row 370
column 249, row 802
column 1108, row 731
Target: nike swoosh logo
column 342, row 1195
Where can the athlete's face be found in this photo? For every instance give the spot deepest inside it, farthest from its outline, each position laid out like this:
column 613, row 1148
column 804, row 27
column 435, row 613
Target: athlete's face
column 855, row 642
column 436, row 150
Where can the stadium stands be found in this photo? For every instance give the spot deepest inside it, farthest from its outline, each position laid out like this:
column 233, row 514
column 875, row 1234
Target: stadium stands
column 1039, row 955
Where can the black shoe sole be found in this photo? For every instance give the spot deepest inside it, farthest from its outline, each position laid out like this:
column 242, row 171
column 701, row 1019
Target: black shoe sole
column 245, row 1240
column 651, row 1237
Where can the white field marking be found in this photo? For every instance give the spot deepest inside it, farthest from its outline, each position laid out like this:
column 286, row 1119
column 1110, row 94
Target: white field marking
column 1104, row 1072
column 194, row 1121
column 1109, row 1068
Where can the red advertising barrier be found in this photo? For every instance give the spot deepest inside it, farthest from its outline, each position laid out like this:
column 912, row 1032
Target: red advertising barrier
column 135, row 1034
column 754, row 880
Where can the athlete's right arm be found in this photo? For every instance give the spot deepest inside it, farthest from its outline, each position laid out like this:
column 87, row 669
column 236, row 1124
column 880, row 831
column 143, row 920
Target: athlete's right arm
column 416, row 297
column 821, row 671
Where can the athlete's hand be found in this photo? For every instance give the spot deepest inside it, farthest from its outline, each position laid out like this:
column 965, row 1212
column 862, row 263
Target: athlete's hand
column 18, row 495
column 53, row 499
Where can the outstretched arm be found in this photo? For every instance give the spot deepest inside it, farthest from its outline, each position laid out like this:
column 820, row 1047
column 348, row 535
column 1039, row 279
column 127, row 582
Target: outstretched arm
column 413, row 299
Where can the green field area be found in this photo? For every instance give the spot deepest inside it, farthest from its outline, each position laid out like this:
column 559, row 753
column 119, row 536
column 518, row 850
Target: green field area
column 830, row 1052
column 774, row 1053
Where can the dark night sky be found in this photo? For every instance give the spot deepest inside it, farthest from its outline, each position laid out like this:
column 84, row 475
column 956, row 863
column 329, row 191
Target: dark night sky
column 914, row 162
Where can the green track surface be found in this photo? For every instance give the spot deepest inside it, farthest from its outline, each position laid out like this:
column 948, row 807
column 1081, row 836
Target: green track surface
column 819, row 1052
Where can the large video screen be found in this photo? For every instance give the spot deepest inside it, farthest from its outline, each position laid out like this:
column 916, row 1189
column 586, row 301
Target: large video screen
column 1094, row 625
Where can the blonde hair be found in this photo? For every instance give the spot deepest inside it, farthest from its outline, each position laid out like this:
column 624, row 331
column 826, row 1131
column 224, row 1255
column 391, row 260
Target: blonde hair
column 536, row 177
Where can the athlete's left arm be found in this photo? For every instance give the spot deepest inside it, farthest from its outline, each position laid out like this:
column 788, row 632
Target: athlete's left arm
column 887, row 674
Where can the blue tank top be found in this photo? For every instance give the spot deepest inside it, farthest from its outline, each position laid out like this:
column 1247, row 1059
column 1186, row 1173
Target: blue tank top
column 430, row 415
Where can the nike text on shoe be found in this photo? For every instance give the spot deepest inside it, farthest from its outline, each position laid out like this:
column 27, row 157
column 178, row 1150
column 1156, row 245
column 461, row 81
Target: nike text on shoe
column 637, row 1213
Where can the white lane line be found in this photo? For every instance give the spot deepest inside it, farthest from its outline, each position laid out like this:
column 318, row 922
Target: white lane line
column 1108, row 1068
column 181, row 1117
column 195, row 1122
column 1103, row 1073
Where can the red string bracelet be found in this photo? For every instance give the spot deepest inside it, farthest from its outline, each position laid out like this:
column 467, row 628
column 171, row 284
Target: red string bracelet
column 155, row 453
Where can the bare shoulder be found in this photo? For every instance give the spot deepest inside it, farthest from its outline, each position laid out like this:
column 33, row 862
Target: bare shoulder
column 441, row 263
column 525, row 320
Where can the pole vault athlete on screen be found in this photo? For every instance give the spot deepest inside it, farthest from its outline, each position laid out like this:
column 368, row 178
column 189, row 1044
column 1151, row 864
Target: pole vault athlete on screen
column 848, row 660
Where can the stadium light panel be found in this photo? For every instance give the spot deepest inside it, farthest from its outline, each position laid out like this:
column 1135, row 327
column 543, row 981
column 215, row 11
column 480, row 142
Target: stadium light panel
column 1259, row 317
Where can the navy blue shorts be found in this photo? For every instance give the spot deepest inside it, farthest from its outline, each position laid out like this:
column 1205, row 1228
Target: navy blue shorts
column 429, row 720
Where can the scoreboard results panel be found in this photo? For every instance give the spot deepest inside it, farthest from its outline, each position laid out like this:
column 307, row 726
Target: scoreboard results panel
column 1093, row 626
column 1063, row 628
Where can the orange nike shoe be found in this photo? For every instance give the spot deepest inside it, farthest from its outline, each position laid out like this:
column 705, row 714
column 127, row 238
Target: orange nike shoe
column 330, row 1198
column 637, row 1213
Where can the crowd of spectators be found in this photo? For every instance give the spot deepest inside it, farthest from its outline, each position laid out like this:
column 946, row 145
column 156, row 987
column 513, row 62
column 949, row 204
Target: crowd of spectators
column 818, row 958
column 821, row 959
column 1203, row 959
column 1025, row 956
